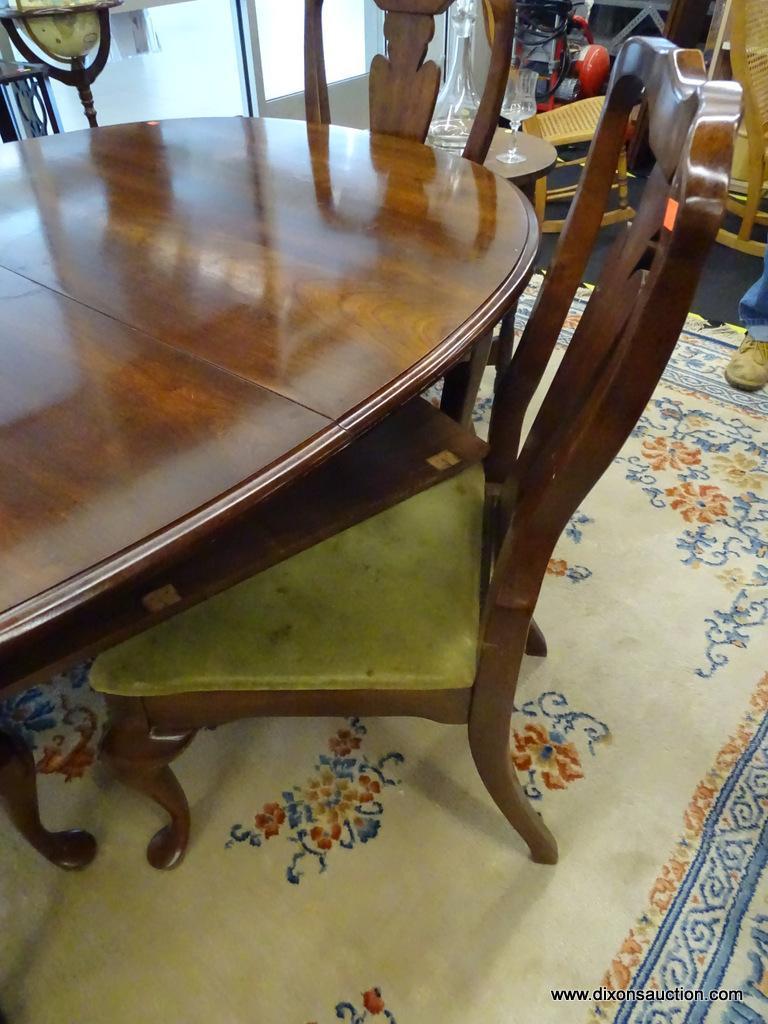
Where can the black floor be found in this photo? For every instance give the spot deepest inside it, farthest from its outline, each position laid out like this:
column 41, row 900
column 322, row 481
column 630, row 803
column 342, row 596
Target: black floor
column 728, row 273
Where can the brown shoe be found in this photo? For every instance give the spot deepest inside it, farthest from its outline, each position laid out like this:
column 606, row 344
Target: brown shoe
column 748, row 369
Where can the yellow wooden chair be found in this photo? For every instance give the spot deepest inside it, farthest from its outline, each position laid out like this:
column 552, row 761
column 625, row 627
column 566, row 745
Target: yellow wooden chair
column 749, row 61
column 566, row 126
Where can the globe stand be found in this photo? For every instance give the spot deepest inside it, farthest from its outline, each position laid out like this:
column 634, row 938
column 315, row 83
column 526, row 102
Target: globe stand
column 78, row 74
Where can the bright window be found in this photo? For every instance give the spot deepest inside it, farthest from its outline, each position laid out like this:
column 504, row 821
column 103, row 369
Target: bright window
column 281, row 42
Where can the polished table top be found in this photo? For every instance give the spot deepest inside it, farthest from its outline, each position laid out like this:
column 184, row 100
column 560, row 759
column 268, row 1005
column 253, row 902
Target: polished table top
column 195, row 311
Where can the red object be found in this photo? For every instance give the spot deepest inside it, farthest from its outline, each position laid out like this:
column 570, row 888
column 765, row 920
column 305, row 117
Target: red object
column 592, row 69
column 589, row 73
column 583, row 25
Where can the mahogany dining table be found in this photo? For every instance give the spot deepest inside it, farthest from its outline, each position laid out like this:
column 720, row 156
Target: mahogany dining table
column 199, row 320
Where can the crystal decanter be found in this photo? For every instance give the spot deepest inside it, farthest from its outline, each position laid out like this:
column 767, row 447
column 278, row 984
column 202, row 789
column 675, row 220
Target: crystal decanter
column 458, row 101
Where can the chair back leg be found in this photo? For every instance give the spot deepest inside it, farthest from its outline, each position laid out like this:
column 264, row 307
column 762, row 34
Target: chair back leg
column 490, row 721
column 622, row 179
column 749, row 210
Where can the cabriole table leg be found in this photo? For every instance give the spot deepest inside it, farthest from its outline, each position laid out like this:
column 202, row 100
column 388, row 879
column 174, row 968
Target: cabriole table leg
column 18, row 795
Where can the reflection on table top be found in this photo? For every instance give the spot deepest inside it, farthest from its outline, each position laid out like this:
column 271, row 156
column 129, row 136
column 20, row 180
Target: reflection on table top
column 194, row 307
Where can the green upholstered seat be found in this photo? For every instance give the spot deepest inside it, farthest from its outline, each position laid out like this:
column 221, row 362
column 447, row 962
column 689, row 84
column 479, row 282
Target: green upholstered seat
column 392, row 603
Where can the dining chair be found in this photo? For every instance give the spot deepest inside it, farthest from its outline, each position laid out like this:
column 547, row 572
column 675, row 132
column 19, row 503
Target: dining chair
column 749, row 62
column 403, row 85
column 426, row 609
column 403, row 88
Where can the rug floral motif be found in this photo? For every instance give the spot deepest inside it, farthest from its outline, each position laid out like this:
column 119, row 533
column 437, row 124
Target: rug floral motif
column 64, row 717
column 544, row 742
column 372, row 1006
column 711, row 468
column 340, row 805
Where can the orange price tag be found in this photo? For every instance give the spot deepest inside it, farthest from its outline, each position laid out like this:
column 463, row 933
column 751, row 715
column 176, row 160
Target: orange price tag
column 670, row 214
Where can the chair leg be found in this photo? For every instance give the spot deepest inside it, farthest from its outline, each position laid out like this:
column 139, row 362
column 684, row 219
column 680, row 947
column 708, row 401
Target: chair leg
column 139, row 757
column 18, row 794
column 536, row 644
column 462, row 383
column 622, row 177
column 490, row 720
column 505, row 344
column 540, row 199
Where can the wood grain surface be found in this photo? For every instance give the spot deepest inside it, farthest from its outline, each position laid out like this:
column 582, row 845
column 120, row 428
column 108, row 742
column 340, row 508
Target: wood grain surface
column 196, row 312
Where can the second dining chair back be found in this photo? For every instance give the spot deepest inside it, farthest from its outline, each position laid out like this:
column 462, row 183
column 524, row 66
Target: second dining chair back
column 403, row 89
column 403, row 84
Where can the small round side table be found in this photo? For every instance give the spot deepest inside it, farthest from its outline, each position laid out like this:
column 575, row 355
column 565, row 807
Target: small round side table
column 540, row 158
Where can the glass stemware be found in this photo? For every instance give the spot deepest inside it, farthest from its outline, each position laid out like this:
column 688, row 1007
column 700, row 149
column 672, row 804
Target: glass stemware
column 519, row 104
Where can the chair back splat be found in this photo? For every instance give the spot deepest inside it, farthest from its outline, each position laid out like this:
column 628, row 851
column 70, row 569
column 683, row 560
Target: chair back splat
column 403, row 90
column 626, row 334
column 403, row 84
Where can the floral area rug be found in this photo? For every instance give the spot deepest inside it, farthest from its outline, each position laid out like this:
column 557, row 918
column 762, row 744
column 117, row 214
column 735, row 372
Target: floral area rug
column 357, row 871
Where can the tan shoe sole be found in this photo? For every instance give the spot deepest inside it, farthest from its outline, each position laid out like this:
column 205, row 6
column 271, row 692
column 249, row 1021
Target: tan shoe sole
column 743, row 385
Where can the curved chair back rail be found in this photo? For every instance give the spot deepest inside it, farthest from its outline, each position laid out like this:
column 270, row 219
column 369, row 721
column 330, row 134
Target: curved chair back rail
column 403, row 84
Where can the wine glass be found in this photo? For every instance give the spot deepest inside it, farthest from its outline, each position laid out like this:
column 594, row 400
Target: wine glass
column 519, row 104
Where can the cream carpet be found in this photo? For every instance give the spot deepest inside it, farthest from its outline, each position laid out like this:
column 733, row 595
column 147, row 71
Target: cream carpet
column 642, row 738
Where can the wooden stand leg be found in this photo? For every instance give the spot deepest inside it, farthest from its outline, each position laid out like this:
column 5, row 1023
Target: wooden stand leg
column 18, row 794
column 86, row 98
column 622, row 175
column 83, row 87
column 139, row 758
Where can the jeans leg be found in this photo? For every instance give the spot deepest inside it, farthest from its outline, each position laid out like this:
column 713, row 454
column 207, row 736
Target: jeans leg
column 753, row 309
